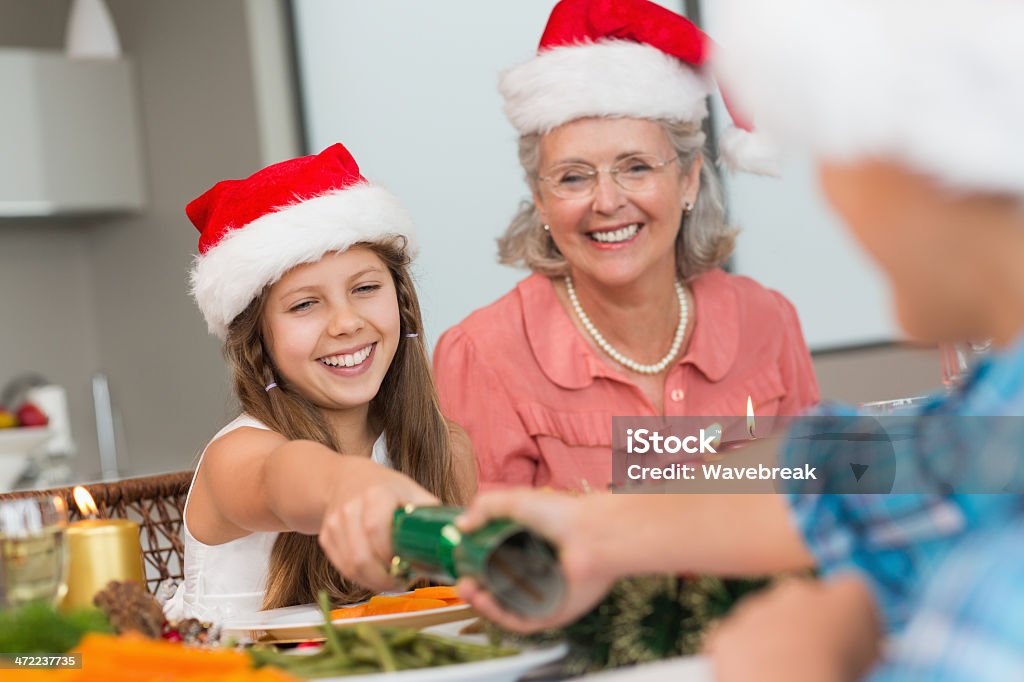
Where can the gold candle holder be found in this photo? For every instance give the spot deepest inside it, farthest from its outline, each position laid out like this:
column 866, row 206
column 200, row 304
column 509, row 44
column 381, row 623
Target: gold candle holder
column 100, row 550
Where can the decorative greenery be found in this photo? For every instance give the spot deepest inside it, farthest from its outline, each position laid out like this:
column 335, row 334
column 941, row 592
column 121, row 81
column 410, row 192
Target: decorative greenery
column 38, row 628
column 642, row 619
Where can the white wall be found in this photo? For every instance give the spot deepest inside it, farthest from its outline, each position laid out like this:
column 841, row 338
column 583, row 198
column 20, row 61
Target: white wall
column 793, row 242
column 411, row 89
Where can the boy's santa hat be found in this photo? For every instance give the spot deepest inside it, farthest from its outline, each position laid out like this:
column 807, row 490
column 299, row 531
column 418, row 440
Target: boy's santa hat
column 253, row 231
column 938, row 85
column 628, row 58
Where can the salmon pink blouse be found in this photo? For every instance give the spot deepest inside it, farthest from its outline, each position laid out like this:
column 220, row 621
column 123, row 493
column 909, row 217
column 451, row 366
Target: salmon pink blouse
column 537, row 401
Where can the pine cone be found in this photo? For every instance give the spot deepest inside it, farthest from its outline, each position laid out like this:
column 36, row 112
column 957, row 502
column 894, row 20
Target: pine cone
column 129, row 606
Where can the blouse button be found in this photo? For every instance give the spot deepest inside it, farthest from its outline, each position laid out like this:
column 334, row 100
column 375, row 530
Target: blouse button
column 677, row 395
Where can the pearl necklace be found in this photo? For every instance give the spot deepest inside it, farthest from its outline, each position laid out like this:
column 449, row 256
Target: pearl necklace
column 603, row 344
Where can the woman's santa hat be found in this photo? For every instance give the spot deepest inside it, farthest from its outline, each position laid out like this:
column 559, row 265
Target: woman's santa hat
column 936, row 85
column 253, row 231
column 629, row 58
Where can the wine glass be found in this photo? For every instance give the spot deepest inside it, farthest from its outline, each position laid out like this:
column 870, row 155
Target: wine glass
column 33, row 562
column 958, row 359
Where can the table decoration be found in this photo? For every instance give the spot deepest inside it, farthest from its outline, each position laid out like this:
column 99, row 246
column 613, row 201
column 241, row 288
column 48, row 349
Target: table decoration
column 99, row 551
column 644, row 618
column 40, row 628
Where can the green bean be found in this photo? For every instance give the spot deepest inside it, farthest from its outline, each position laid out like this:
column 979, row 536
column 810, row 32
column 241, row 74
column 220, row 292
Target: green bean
column 364, row 654
column 400, row 638
column 408, row 661
column 467, row 648
column 333, row 640
column 424, row 652
column 374, row 639
column 327, row 668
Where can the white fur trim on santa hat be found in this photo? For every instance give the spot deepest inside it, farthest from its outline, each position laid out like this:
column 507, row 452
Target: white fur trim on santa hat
column 937, row 85
column 741, row 150
column 605, row 78
column 231, row 274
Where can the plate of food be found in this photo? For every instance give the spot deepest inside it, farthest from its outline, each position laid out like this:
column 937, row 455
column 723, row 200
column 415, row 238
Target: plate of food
column 365, row 653
column 416, row 609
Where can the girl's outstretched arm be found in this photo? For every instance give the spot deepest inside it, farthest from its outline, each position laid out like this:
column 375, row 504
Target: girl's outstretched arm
column 256, row 480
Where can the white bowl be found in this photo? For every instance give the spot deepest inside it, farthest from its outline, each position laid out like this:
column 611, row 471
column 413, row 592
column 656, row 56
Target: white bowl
column 25, row 440
column 17, row 445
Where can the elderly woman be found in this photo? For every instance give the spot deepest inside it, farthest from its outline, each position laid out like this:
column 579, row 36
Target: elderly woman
column 627, row 311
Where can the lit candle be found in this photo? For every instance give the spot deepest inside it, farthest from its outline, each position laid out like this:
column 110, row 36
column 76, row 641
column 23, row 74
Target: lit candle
column 99, row 550
column 750, row 418
column 739, row 441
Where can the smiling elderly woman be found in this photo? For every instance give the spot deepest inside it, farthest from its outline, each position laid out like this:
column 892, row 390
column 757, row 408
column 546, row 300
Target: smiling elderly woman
column 627, row 311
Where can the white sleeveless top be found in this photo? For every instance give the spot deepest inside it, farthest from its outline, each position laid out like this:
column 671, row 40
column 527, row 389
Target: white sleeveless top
column 226, row 581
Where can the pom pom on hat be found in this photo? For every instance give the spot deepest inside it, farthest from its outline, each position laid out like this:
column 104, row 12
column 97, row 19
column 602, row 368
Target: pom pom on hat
column 253, row 231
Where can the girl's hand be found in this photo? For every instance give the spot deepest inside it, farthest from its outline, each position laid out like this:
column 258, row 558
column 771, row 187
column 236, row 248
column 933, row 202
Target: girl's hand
column 572, row 524
column 800, row 630
column 356, row 532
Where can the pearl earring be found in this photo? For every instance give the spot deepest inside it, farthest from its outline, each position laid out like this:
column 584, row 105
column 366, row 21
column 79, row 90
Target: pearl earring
column 547, row 228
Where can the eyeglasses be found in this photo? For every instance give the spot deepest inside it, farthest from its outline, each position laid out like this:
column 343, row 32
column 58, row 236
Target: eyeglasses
column 579, row 180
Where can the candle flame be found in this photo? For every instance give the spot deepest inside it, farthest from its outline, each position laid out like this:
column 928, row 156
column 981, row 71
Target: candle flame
column 750, row 417
column 86, row 505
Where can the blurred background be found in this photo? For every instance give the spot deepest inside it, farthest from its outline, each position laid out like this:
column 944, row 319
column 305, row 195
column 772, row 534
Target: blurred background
column 99, row 156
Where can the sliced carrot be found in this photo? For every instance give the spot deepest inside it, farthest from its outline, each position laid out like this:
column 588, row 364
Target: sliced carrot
column 403, row 603
column 445, row 592
column 350, row 612
column 381, row 605
column 133, row 652
column 129, row 658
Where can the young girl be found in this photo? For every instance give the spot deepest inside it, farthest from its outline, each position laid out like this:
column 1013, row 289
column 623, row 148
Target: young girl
column 303, row 272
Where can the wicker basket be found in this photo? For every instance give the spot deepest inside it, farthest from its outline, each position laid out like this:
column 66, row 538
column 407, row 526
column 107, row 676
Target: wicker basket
column 155, row 502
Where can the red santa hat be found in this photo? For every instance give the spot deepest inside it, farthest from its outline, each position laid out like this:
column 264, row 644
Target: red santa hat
column 628, row 58
column 253, row 231
column 936, row 85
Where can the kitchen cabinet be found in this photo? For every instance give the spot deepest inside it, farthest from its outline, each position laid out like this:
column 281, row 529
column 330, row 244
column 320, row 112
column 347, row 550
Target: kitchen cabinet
column 69, row 135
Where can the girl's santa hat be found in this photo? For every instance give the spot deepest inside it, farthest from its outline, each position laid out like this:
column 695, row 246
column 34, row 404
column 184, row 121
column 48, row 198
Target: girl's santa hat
column 629, row 58
column 253, row 231
column 936, row 85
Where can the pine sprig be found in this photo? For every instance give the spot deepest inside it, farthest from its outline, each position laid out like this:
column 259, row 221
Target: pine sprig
column 644, row 618
column 37, row 628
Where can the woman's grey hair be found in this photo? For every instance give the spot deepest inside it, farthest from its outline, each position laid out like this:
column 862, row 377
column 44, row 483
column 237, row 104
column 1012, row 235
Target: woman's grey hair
column 704, row 240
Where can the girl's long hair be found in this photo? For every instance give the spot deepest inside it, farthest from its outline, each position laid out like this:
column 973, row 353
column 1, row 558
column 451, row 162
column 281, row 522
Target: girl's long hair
column 418, row 438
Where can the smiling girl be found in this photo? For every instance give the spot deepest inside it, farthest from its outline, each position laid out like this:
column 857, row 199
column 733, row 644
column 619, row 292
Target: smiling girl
column 303, row 272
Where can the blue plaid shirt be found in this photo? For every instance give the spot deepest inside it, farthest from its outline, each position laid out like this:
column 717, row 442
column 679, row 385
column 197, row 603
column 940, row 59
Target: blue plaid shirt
column 969, row 623
column 897, row 542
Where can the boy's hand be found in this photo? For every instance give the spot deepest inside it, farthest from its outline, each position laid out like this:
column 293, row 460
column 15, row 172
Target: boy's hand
column 571, row 524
